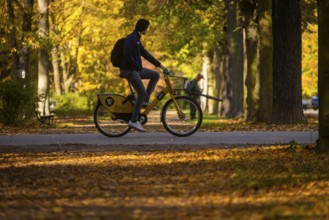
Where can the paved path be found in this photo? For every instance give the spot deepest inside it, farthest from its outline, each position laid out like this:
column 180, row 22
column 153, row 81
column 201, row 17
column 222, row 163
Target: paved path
column 163, row 139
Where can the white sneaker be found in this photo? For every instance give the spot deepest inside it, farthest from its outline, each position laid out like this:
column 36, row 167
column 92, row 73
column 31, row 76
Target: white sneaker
column 136, row 125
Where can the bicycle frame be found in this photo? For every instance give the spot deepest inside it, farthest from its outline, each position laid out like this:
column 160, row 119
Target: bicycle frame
column 159, row 97
column 118, row 104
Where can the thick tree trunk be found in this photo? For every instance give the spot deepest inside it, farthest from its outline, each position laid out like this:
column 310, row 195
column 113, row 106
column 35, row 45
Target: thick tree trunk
column 43, row 66
column 265, row 60
column 287, row 92
column 323, row 82
column 233, row 97
column 252, row 75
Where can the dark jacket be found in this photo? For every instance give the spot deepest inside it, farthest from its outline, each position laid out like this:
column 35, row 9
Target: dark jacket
column 193, row 89
column 132, row 52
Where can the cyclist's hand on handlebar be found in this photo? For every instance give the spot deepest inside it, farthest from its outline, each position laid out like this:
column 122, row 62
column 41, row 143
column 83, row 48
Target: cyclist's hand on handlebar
column 167, row 71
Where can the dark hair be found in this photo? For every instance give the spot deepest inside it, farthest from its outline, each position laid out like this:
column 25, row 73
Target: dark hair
column 142, row 25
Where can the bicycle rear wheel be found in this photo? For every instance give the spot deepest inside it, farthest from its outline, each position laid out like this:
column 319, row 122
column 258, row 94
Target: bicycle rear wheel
column 184, row 123
column 109, row 124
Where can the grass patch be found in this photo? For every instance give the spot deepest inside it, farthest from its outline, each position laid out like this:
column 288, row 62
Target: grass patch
column 244, row 183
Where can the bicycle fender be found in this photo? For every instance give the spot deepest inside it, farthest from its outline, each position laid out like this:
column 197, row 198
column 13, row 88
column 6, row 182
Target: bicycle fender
column 115, row 103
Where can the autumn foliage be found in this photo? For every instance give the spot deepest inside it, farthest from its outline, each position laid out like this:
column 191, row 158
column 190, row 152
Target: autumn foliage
column 163, row 182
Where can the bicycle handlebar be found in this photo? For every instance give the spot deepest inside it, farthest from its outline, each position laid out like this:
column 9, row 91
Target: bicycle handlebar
column 167, row 71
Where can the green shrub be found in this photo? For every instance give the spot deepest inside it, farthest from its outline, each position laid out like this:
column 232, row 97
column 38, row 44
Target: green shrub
column 18, row 101
column 71, row 104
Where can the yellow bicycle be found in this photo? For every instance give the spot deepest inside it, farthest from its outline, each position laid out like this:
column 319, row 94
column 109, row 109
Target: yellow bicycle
column 180, row 115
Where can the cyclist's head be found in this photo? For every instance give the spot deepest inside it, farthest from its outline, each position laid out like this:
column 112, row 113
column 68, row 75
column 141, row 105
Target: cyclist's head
column 199, row 76
column 142, row 25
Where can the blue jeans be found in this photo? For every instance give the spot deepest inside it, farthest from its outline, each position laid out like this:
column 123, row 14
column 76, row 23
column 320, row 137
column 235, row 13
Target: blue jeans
column 135, row 79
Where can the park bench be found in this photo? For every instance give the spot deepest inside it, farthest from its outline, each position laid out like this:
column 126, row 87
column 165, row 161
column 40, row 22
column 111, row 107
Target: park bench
column 45, row 119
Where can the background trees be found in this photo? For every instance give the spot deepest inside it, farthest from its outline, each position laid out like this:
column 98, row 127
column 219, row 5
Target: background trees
column 229, row 41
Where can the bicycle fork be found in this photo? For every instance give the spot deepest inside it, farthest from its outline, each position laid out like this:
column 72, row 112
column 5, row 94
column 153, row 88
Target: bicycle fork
column 180, row 113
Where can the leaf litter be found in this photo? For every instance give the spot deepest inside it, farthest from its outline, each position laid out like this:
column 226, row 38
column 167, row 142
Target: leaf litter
column 272, row 182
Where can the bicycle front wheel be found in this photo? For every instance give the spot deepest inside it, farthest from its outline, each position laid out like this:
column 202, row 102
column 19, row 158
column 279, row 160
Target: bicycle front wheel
column 108, row 124
column 182, row 119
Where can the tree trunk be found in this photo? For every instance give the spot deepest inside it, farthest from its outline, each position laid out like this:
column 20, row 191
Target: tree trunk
column 69, row 63
column 13, row 39
column 287, row 92
column 205, row 73
column 323, row 82
column 54, row 54
column 222, row 56
column 57, row 76
column 265, row 60
column 233, row 100
column 216, row 71
column 65, row 65
column 43, row 66
column 252, row 75
column 225, row 82
column 27, row 27
column 211, row 83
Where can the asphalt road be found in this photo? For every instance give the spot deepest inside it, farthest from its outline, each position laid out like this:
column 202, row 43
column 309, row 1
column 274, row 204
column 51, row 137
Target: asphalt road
column 163, row 139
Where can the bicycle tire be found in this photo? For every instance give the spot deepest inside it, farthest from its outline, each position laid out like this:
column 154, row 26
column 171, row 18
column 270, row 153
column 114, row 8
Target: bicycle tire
column 185, row 125
column 107, row 124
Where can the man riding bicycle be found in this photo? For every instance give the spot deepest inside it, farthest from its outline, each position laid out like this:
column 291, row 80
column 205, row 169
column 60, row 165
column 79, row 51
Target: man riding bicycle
column 131, row 69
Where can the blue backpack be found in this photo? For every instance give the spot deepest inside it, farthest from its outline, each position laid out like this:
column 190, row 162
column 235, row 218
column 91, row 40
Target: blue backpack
column 187, row 85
